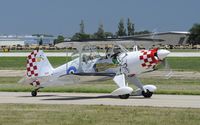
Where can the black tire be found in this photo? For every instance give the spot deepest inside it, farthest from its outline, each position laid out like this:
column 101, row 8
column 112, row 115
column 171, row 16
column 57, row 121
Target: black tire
column 147, row 94
column 34, row 93
column 126, row 96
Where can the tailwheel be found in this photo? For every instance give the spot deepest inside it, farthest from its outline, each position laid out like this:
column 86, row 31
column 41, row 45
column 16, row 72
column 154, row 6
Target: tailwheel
column 147, row 94
column 34, row 93
column 126, row 96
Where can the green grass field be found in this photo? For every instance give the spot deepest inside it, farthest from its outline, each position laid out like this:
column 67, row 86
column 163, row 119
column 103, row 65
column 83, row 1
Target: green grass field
column 24, row 114
column 63, row 50
column 19, row 63
column 165, row 86
column 184, row 50
column 22, row 51
column 176, row 63
column 170, row 86
column 184, row 63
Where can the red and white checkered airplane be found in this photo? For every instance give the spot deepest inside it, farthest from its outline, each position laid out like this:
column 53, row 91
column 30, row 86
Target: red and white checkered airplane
column 85, row 68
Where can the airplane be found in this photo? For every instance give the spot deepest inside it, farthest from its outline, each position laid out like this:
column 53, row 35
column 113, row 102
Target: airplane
column 87, row 65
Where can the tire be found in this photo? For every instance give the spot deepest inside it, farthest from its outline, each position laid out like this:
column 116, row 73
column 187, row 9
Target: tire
column 147, row 94
column 34, row 93
column 126, row 96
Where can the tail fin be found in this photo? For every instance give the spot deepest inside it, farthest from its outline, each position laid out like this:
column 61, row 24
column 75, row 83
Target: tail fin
column 38, row 64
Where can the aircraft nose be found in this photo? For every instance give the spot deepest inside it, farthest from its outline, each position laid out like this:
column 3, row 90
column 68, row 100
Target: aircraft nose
column 162, row 53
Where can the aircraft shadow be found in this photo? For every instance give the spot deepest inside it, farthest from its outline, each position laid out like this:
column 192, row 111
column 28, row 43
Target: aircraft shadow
column 38, row 96
column 88, row 97
column 81, row 97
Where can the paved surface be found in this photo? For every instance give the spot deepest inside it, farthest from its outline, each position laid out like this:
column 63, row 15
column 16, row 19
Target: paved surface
column 63, row 54
column 185, row 101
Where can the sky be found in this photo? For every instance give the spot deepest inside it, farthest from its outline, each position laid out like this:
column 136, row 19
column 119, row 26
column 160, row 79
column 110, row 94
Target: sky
column 62, row 17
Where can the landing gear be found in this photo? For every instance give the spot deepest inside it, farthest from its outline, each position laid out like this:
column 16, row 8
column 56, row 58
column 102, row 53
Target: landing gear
column 126, row 96
column 147, row 94
column 34, row 93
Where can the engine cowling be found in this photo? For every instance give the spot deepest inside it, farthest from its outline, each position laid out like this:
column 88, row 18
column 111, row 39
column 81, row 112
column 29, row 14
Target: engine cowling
column 141, row 61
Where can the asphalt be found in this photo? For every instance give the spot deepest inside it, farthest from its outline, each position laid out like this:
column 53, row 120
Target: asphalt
column 183, row 101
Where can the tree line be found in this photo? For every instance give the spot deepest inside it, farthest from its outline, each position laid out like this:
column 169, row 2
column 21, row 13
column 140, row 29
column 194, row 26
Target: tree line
column 194, row 37
column 127, row 29
column 124, row 29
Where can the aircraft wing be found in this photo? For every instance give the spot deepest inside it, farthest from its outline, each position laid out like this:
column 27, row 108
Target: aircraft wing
column 94, row 74
column 119, row 40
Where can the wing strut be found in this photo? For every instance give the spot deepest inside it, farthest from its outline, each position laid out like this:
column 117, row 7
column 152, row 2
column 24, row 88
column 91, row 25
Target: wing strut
column 80, row 48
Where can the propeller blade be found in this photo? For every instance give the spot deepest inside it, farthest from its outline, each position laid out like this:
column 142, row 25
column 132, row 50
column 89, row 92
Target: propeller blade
column 168, row 69
column 165, row 67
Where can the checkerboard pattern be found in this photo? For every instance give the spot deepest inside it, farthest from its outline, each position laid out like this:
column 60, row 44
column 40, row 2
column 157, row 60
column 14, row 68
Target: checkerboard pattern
column 148, row 59
column 31, row 67
column 35, row 83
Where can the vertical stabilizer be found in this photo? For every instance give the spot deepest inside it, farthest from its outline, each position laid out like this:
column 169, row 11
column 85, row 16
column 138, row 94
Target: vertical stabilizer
column 38, row 64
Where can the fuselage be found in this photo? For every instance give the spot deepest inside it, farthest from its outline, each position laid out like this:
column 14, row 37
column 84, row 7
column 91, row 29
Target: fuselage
column 130, row 63
column 137, row 62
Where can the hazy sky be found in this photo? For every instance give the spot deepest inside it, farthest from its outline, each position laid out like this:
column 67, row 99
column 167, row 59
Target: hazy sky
column 63, row 16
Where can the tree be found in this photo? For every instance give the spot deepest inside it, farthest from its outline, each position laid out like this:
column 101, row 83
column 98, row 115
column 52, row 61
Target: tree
column 100, row 33
column 108, row 35
column 59, row 39
column 82, row 27
column 121, row 30
column 40, row 42
column 130, row 27
column 142, row 32
column 80, row 36
column 194, row 37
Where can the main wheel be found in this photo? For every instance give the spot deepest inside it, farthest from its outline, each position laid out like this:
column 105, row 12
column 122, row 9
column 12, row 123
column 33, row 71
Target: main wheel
column 126, row 96
column 147, row 94
column 34, row 93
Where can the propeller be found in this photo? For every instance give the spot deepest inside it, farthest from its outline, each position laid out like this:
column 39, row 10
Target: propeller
column 167, row 68
column 164, row 66
column 161, row 54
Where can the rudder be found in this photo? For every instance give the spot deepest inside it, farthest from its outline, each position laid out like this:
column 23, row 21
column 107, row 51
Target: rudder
column 38, row 64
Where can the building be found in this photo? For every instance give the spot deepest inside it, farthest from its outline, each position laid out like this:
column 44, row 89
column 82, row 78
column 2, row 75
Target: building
column 143, row 41
column 169, row 38
column 13, row 40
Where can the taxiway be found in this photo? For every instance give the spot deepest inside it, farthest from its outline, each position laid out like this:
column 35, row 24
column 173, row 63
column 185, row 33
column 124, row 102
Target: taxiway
column 184, row 101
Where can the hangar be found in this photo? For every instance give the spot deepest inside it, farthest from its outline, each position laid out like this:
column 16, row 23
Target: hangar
column 13, row 40
column 169, row 38
column 162, row 38
column 7, row 41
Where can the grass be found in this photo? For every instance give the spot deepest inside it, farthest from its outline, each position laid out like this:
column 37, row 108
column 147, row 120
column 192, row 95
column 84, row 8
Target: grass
column 64, row 50
column 165, row 86
column 170, row 86
column 21, row 51
column 184, row 63
column 24, row 114
column 184, row 50
column 175, row 86
column 176, row 63
column 19, row 63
